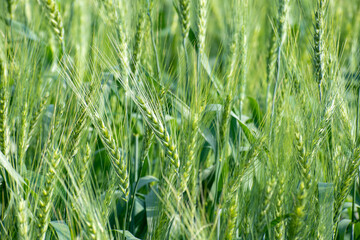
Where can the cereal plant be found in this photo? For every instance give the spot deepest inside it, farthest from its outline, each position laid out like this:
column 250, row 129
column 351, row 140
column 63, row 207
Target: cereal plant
column 179, row 119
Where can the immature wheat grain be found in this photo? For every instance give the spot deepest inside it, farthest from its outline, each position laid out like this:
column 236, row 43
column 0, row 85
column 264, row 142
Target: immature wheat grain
column 55, row 19
column 225, row 118
column 318, row 48
column 45, row 200
column 85, row 163
column 269, row 193
column 202, row 20
column 295, row 226
column 185, row 17
column 76, row 134
column 188, row 175
column 185, row 28
column 279, row 209
column 243, row 66
column 4, row 110
column 160, row 131
column 24, row 127
column 22, row 218
column 322, row 130
column 302, row 160
column 343, row 188
column 138, row 42
column 117, row 160
column 232, row 211
column 35, row 120
column 91, row 227
column 232, row 202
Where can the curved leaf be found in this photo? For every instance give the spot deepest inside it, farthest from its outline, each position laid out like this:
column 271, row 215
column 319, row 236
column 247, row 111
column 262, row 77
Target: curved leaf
column 62, row 230
column 145, row 181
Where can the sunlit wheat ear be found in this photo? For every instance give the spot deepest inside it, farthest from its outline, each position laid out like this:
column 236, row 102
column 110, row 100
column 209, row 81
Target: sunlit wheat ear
column 298, row 213
column 22, row 218
column 282, row 21
column 322, row 130
column 85, row 163
column 4, row 109
column 118, row 161
column 46, row 196
column 232, row 207
column 202, row 22
column 243, row 65
column 105, row 133
column 151, row 110
column 346, row 122
column 304, row 166
column 279, row 208
column 89, row 214
column 225, row 118
column 159, row 130
column 76, row 134
column 185, row 17
column 91, row 227
column 188, row 175
column 54, row 18
column 123, row 52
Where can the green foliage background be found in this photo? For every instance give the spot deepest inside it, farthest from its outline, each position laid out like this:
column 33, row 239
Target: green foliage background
column 179, row 119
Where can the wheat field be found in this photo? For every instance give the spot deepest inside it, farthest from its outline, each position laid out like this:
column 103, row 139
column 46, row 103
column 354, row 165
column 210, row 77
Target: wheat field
column 179, row 119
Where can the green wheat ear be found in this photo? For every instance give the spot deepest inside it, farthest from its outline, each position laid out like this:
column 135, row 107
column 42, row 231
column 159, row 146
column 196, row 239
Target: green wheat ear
column 318, row 46
column 4, row 109
column 55, row 18
column 185, row 17
column 202, row 22
column 23, row 222
column 46, row 196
